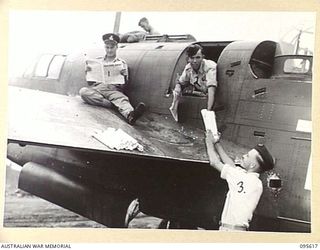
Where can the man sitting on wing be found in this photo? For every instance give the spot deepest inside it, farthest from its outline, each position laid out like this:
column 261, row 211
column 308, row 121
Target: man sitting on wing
column 110, row 94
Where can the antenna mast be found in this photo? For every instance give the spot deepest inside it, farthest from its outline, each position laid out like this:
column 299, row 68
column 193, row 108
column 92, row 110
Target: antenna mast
column 117, row 23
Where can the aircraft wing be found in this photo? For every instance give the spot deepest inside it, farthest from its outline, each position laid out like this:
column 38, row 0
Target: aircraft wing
column 171, row 177
column 48, row 119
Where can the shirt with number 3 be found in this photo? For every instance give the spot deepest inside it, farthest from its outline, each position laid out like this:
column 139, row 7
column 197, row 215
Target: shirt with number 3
column 245, row 189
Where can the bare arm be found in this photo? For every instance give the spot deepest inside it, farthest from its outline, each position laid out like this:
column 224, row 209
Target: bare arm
column 211, row 77
column 213, row 156
column 223, row 155
column 211, row 93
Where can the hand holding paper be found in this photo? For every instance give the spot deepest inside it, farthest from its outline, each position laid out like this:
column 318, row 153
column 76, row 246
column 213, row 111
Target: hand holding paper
column 108, row 73
column 94, row 70
column 209, row 120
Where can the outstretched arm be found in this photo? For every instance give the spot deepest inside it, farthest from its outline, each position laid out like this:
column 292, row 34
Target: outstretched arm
column 215, row 139
column 223, row 155
column 211, row 94
column 212, row 84
column 213, row 155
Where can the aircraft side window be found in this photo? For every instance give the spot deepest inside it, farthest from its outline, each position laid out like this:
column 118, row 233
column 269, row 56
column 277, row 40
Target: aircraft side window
column 296, row 65
column 56, row 66
column 43, row 65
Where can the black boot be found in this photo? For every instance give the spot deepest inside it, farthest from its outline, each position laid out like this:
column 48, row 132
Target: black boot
column 136, row 113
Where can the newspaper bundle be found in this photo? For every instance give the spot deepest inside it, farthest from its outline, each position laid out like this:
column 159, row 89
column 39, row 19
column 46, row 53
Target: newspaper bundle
column 209, row 120
column 117, row 139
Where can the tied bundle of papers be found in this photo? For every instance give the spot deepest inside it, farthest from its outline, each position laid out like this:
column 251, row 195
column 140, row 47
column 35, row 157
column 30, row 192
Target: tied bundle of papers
column 209, row 120
column 117, row 139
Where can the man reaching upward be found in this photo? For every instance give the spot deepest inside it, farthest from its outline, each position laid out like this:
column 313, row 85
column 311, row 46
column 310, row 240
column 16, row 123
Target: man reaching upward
column 245, row 187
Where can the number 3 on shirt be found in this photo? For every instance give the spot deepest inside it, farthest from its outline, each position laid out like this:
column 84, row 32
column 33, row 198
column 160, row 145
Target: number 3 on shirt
column 240, row 186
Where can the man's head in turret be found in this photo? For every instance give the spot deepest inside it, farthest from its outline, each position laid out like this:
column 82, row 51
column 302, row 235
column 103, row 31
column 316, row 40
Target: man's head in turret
column 195, row 56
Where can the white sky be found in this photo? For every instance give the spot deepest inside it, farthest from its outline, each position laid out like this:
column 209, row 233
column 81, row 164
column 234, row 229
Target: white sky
column 32, row 32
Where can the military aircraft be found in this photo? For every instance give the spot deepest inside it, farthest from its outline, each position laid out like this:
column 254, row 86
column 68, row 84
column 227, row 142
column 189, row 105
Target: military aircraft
column 264, row 96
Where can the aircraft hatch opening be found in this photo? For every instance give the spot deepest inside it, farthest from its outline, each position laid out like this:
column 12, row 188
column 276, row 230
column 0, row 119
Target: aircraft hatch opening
column 262, row 59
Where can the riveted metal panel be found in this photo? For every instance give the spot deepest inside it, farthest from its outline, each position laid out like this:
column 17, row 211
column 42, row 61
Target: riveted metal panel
column 275, row 104
column 296, row 195
column 232, row 71
column 269, row 115
column 278, row 91
column 291, row 151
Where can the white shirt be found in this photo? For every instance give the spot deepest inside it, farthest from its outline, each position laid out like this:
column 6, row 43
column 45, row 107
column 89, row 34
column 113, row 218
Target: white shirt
column 243, row 196
column 205, row 77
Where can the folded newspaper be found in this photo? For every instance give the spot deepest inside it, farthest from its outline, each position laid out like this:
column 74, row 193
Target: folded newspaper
column 104, row 72
column 209, row 120
column 117, row 139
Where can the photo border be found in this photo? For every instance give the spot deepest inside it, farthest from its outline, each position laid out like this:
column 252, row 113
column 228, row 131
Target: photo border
column 88, row 235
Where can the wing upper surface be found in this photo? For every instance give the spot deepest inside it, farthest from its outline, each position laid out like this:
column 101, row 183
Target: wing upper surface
column 43, row 118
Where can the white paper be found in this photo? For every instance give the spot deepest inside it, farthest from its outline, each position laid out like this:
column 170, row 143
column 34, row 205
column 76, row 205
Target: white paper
column 108, row 73
column 95, row 72
column 304, row 126
column 117, row 139
column 209, row 120
column 112, row 73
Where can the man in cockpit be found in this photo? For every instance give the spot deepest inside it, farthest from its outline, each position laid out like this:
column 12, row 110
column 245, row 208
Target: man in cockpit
column 109, row 93
column 144, row 23
column 199, row 75
column 138, row 35
column 133, row 36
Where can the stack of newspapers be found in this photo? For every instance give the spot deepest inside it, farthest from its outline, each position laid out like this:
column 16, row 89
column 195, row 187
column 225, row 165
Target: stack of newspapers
column 117, row 139
column 209, row 120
